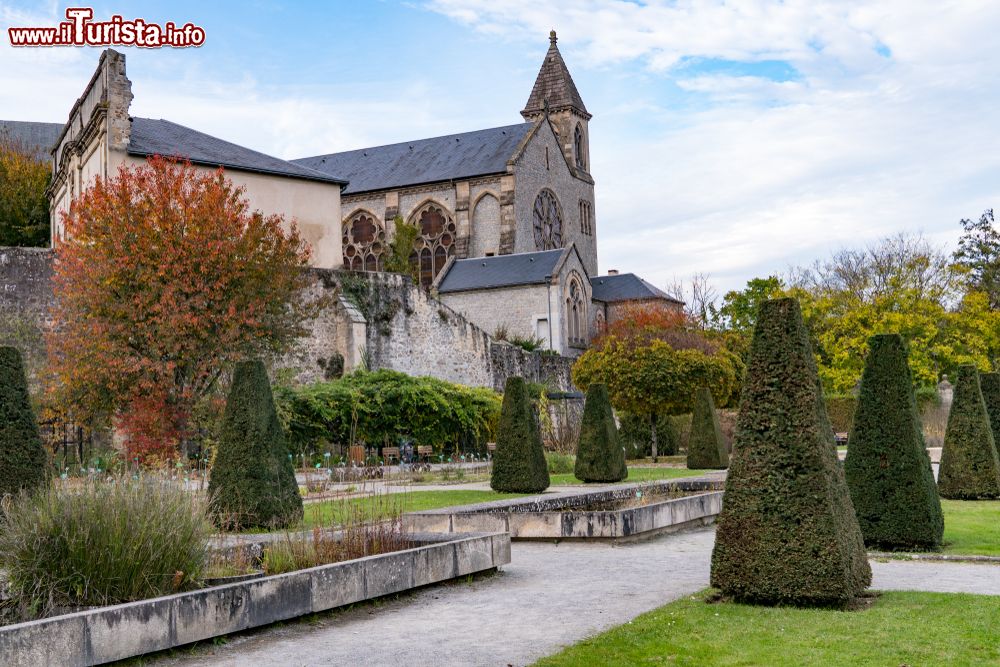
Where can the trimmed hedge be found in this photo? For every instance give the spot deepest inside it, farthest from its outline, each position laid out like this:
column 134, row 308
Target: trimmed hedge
column 599, row 454
column 519, row 460
column 636, row 436
column 252, row 482
column 888, row 470
column 969, row 465
column 706, row 445
column 23, row 463
column 787, row 533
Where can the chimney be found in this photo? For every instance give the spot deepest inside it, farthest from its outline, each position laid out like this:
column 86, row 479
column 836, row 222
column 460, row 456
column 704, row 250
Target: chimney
column 612, row 272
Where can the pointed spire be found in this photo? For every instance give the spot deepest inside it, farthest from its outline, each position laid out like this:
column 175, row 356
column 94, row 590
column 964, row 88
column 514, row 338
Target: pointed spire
column 554, row 88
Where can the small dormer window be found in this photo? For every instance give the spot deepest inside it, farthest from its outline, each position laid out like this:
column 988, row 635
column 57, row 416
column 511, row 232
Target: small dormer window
column 578, row 147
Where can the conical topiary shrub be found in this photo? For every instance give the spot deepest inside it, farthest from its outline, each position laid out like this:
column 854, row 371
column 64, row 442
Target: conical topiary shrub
column 969, row 466
column 787, row 531
column 23, row 464
column 706, row 444
column 599, row 454
column 519, row 461
column 887, row 468
column 252, row 481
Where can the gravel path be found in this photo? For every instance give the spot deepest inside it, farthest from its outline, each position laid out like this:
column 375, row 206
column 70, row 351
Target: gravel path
column 548, row 597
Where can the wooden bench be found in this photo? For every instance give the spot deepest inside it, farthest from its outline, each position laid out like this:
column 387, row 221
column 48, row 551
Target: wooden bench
column 425, row 451
column 390, row 454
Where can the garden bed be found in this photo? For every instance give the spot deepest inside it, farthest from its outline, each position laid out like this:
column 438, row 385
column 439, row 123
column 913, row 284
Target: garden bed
column 624, row 512
column 121, row 631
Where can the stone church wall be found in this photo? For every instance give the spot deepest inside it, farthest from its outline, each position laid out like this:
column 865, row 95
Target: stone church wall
column 25, row 298
column 531, row 175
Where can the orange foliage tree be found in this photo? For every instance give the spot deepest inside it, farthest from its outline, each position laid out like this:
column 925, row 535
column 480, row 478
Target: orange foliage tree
column 653, row 359
column 165, row 279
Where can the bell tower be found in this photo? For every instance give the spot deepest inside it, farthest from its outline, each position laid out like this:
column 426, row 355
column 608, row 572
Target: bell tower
column 555, row 94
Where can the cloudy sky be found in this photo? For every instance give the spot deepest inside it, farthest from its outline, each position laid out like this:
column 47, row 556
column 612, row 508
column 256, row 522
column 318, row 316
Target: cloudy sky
column 729, row 138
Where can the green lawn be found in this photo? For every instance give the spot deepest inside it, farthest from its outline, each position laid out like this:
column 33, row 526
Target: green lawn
column 634, row 475
column 330, row 512
column 900, row 629
column 971, row 527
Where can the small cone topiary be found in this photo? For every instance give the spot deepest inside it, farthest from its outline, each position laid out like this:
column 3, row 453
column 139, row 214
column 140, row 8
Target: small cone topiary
column 969, row 466
column 519, row 460
column 706, row 444
column 252, row 481
column 887, row 467
column 787, row 533
column 23, row 464
column 599, row 454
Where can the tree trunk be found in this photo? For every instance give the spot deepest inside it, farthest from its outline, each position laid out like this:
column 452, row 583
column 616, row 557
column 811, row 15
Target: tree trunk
column 652, row 433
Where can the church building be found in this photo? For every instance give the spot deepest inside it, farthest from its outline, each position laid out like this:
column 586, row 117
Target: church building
column 506, row 215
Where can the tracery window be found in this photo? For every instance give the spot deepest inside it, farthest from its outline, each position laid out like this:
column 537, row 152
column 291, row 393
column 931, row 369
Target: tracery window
column 548, row 221
column 586, row 218
column 435, row 244
column 578, row 147
column 576, row 313
column 364, row 242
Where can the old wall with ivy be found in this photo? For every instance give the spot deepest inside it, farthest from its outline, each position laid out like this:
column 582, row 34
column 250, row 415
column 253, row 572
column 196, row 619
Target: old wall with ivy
column 370, row 320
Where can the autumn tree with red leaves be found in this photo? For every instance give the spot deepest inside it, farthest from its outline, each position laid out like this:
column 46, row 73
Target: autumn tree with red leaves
column 164, row 280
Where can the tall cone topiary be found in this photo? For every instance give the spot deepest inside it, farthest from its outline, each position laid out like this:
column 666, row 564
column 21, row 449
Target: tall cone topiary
column 23, row 464
column 887, row 468
column 706, row 444
column 252, row 481
column 969, row 465
column 599, row 454
column 787, row 533
column 519, row 461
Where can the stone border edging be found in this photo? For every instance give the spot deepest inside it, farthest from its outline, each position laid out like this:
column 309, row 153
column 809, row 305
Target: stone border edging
column 121, row 631
column 554, row 518
column 934, row 557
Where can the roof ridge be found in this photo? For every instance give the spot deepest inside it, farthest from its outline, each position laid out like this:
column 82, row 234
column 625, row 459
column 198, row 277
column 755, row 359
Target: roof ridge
column 410, row 142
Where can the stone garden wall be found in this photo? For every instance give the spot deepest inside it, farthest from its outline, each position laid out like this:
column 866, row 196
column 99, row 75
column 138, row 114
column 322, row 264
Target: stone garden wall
column 380, row 320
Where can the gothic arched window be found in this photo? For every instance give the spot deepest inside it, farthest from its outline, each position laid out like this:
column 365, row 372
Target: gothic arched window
column 364, row 242
column 548, row 221
column 576, row 313
column 435, row 244
column 578, row 147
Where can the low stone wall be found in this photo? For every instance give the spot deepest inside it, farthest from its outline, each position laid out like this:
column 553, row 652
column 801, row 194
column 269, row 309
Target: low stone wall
column 555, row 517
column 122, row 631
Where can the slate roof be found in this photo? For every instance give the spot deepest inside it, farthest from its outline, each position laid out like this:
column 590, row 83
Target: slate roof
column 454, row 156
column 625, row 287
column 528, row 268
column 41, row 137
column 554, row 84
column 161, row 137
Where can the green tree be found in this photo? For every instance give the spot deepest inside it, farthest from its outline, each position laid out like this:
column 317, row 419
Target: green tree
column 23, row 463
column 787, row 532
column 399, row 259
column 887, row 467
column 979, row 253
column 599, row 454
column 738, row 311
column 706, row 445
column 969, row 466
column 252, row 481
column 519, row 461
column 24, row 208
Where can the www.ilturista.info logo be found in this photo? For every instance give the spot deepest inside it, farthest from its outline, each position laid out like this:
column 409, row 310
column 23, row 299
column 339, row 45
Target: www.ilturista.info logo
column 80, row 30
